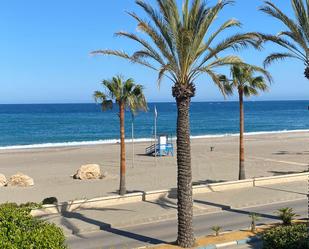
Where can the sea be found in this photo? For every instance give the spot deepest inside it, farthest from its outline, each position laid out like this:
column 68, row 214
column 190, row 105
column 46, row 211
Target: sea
column 51, row 125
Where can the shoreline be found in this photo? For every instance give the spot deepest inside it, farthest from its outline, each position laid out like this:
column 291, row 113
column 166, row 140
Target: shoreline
column 52, row 169
column 136, row 140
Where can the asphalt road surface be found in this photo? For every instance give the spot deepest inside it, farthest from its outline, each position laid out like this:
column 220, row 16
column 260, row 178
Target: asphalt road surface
column 160, row 232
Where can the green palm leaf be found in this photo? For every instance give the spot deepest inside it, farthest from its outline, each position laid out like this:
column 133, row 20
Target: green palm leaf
column 295, row 39
column 121, row 91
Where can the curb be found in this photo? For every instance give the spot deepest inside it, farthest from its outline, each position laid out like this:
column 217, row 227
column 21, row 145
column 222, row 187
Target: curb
column 142, row 221
column 101, row 202
column 163, row 218
column 232, row 243
column 275, row 201
column 224, row 245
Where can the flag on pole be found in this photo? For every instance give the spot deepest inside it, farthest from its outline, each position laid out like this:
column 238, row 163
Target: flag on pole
column 155, row 112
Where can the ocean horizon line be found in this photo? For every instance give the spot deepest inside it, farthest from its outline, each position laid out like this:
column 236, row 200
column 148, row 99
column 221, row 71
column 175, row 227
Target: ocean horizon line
column 163, row 102
column 136, row 140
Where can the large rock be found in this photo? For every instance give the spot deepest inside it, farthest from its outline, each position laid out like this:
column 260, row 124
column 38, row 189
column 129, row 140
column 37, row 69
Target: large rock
column 3, row 180
column 88, row 172
column 20, row 180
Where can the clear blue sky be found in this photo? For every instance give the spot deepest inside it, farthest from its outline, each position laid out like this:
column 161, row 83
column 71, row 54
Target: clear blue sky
column 45, row 49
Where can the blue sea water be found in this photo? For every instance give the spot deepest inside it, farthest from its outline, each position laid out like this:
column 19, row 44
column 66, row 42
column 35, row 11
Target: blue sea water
column 86, row 123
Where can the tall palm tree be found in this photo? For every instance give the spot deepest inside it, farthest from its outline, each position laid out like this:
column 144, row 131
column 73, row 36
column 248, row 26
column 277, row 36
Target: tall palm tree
column 181, row 47
column 246, row 84
column 295, row 39
column 126, row 94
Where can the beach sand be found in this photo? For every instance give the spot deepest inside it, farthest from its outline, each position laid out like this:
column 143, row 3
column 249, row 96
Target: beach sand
column 52, row 168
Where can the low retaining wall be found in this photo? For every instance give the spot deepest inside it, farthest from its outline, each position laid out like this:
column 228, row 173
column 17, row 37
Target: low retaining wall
column 100, row 202
column 105, row 201
column 159, row 194
column 262, row 181
column 222, row 186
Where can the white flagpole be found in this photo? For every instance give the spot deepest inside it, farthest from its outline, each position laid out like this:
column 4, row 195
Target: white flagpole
column 155, row 129
column 133, row 140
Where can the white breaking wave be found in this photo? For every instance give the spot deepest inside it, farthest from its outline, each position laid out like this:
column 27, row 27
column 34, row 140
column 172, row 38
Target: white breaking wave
column 71, row 144
column 137, row 140
column 249, row 133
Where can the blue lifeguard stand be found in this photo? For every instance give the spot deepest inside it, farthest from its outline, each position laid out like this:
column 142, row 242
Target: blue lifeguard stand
column 163, row 146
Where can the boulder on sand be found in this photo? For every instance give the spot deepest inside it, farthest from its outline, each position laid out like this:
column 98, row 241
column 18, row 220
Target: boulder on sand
column 88, row 172
column 20, row 180
column 3, row 180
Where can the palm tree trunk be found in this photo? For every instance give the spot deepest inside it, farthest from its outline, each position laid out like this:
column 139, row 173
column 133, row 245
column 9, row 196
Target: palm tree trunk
column 184, row 173
column 307, row 72
column 122, row 187
column 242, row 174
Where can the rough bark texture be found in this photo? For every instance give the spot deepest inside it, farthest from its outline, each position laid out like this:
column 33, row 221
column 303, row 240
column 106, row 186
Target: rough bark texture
column 307, row 72
column 183, row 95
column 242, row 174
column 122, row 187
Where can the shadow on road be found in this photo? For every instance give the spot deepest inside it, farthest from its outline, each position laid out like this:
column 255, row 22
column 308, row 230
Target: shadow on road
column 229, row 209
column 107, row 228
column 164, row 203
column 282, row 190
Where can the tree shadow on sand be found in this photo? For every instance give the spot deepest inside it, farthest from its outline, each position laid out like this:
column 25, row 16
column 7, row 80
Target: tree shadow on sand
column 278, row 173
column 285, row 152
column 207, row 181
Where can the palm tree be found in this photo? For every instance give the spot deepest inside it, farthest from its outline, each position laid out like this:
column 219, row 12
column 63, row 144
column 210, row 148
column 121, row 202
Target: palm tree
column 247, row 84
column 181, row 48
column 126, row 94
column 295, row 38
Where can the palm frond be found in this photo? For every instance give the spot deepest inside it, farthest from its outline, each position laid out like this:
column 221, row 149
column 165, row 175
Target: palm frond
column 124, row 56
column 227, row 60
column 249, row 91
column 149, row 50
column 159, row 22
column 235, row 42
column 302, row 17
column 285, row 43
column 275, row 12
column 277, row 57
column 100, row 97
column 217, row 79
column 181, row 46
column 296, row 38
column 121, row 91
column 244, row 80
column 228, row 24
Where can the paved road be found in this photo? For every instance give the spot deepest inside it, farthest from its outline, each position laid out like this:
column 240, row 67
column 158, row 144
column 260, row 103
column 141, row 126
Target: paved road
column 155, row 233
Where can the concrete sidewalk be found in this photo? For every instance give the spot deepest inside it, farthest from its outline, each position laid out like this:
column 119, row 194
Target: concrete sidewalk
column 88, row 220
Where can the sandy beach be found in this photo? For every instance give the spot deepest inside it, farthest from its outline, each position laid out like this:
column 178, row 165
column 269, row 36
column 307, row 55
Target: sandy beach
column 52, row 168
